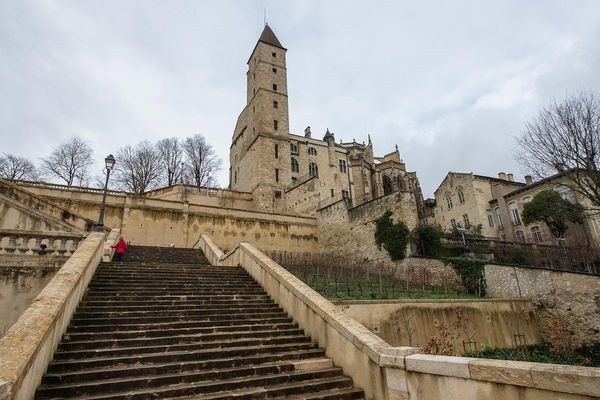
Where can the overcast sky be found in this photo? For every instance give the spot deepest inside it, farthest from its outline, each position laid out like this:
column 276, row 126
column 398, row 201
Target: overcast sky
column 450, row 82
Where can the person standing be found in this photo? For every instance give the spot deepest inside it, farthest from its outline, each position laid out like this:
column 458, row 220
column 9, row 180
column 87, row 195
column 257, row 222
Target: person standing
column 43, row 245
column 120, row 249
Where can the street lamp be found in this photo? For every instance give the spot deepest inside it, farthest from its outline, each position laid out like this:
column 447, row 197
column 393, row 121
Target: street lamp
column 109, row 162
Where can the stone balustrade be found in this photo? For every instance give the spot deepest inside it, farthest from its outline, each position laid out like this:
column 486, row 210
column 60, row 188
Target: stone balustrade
column 20, row 242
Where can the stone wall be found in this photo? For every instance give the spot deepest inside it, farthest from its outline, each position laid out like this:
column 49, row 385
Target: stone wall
column 413, row 322
column 350, row 232
column 161, row 222
column 571, row 298
column 19, row 286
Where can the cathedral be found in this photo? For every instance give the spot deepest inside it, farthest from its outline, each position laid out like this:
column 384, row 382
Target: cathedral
column 299, row 173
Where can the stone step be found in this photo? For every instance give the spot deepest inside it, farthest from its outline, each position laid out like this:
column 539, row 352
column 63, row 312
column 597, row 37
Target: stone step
column 171, row 326
column 121, row 371
column 119, row 342
column 181, row 311
column 84, row 308
column 140, row 299
column 176, row 325
column 280, row 383
column 77, row 354
column 181, row 356
column 93, row 335
column 236, row 315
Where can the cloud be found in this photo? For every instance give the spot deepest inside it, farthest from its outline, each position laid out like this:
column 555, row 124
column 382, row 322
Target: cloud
column 450, row 82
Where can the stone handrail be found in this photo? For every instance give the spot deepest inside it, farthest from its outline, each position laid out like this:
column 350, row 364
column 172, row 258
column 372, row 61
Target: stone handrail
column 70, row 188
column 29, row 344
column 22, row 242
column 389, row 373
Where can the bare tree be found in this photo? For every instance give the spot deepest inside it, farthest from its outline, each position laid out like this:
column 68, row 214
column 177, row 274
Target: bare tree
column 565, row 136
column 70, row 162
column 137, row 168
column 170, row 152
column 202, row 163
column 16, row 167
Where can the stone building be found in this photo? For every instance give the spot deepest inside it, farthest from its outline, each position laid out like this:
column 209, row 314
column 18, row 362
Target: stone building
column 463, row 201
column 466, row 200
column 510, row 206
column 286, row 172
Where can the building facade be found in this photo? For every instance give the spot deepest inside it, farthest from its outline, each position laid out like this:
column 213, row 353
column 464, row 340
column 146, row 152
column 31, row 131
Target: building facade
column 493, row 207
column 287, row 172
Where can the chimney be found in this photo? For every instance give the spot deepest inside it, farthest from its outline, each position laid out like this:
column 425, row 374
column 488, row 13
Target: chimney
column 502, row 175
column 307, row 132
column 511, row 177
column 528, row 179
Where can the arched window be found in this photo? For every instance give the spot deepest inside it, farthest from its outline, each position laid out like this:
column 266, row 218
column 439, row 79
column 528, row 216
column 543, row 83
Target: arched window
column 461, row 196
column 293, row 148
column 295, row 166
column 449, row 200
column 313, row 169
column 400, row 182
column 312, row 151
column 387, row 185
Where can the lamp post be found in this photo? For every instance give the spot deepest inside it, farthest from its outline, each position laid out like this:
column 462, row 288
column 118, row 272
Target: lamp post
column 109, row 162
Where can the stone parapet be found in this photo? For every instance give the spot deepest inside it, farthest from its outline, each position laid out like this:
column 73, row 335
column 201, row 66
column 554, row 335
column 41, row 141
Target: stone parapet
column 29, row 344
column 390, row 373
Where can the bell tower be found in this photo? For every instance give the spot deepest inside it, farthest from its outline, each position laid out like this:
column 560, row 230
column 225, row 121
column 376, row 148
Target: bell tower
column 259, row 155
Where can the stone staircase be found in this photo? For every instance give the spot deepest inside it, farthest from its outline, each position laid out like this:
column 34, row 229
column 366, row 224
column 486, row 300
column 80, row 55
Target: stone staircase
column 159, row 327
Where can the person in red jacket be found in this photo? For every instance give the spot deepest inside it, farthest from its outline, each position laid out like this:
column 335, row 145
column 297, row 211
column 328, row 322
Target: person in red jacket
column 120, row 248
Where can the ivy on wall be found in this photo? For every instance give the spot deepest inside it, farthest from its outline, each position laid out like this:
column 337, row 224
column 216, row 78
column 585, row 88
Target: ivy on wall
column 471, row 271
column 392, row 236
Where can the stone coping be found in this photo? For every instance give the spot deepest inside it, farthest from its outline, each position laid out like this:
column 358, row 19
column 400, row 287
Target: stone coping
column 558, row 378
column 425, row 301
column 41, row 234
column 29, row 344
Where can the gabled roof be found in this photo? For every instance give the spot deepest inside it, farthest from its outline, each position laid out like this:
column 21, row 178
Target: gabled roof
column 268, row 36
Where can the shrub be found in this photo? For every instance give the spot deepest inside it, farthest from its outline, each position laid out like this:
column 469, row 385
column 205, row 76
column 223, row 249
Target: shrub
column 471, row 272
column 392, row 236
column 427, row 238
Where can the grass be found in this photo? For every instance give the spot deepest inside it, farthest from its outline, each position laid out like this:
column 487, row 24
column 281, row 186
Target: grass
column 588, row 356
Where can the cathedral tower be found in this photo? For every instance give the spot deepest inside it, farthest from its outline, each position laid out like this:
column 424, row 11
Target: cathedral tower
column 259, row 154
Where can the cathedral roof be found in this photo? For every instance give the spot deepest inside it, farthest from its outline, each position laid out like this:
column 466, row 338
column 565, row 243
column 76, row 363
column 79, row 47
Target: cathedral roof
column 268, row 36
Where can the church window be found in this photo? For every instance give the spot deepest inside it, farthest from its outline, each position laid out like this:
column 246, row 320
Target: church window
column 537, row 234
column 275, row 125
column 274, row 70
column 312, row 151
column 461, row 196
column 295, row 165
column 293, row 148
column 313, row 169
column 343, row 166
column 275, row 87
column 387, row 185
column 276, row 174
column 400, row 182
column 449, row 201
column 275, row 104
column 276, row 151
